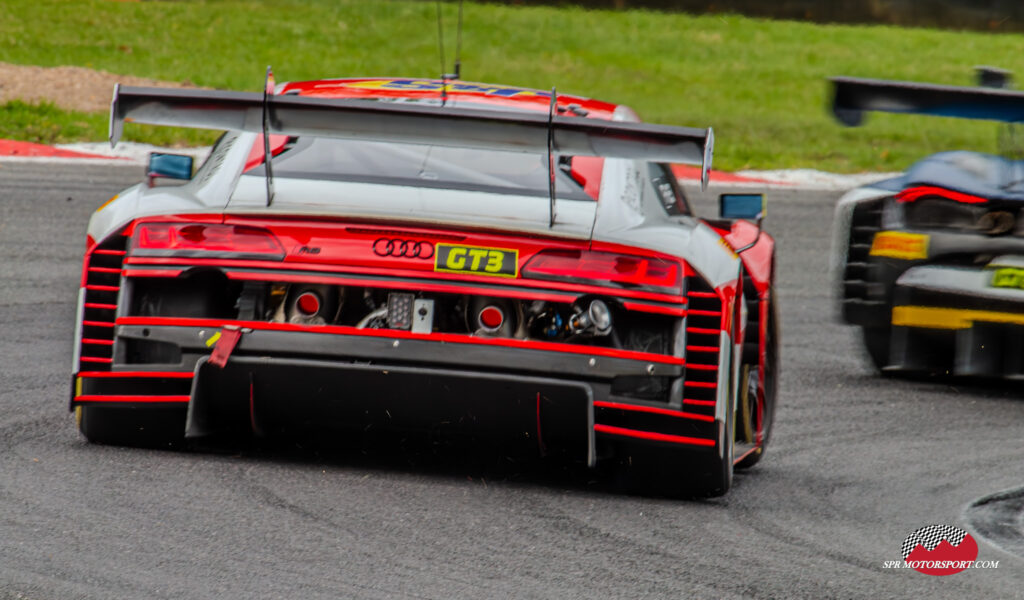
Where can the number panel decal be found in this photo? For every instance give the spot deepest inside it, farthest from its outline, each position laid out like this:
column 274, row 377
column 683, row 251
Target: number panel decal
column 452, row 258
column 900, row 245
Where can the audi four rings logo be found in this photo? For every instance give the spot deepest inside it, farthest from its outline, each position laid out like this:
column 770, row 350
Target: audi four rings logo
column 403, row 248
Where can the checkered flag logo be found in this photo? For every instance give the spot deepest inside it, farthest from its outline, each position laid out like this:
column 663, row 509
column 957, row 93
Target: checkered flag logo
column 931, row 536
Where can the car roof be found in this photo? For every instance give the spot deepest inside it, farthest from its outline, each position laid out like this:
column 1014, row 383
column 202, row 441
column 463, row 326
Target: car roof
column 457, row 93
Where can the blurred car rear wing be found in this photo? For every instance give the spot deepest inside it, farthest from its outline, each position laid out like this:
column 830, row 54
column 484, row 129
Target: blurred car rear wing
column 404, row 123
column 851, row 97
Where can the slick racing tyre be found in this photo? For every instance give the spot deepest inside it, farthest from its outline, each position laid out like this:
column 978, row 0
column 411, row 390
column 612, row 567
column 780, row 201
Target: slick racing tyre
column 876, row 342
column 760, row 414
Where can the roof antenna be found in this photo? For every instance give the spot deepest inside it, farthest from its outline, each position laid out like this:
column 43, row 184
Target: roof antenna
column 268, row 91
column 458, row 48
column 440, row 47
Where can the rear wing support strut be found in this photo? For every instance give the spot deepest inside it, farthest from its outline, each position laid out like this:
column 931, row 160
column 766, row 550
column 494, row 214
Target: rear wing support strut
column 551, row 157
column 268, row 91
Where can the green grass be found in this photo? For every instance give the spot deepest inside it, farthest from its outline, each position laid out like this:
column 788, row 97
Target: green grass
column 44, row 123
column 760, row 84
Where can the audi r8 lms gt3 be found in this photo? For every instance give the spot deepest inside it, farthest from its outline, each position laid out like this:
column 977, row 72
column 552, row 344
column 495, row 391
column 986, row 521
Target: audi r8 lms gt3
column 930, row 264
column 429, row 255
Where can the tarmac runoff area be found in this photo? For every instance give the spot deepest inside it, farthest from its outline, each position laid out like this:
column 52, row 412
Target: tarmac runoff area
column 857, row 463
column 999, row 519
column 134, row 153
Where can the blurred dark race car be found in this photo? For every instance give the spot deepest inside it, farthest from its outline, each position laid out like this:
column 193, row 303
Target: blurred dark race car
column 430, row 255
column 930, row 264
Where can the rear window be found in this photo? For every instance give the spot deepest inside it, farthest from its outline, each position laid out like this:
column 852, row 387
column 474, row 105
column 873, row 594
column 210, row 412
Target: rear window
column 421, row 166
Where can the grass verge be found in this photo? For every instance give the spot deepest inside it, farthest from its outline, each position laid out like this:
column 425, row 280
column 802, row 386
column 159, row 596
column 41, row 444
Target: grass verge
column 760, row 83
column 44, row 123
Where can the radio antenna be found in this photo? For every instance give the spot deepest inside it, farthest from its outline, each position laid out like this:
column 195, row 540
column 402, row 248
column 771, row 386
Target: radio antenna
column 440, row 47
column 457, row 73
column 458, row 47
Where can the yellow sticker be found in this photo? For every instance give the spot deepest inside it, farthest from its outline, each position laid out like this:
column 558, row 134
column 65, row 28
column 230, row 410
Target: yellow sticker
column 1008, row 277
column 503, row 262
column 105, row 204
column 897, row 244
column 728, row 248
column 935, row 317
column 212, row 339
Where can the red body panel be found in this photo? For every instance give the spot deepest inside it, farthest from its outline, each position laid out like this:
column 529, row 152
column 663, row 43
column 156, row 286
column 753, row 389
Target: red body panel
column 758, row 260
column 354, row 249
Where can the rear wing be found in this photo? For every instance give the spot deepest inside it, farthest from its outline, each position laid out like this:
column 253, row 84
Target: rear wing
column 414, row 124
column 851, row 97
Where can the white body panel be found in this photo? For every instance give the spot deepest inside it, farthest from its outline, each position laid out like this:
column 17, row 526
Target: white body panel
column 841, row 230
column 430, row 206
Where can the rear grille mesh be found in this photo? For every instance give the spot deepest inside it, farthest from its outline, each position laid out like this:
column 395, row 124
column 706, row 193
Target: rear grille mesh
column 102, row 286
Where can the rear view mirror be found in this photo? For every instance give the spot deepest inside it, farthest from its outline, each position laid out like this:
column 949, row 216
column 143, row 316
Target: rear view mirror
column 741, row 206
column 171, row 166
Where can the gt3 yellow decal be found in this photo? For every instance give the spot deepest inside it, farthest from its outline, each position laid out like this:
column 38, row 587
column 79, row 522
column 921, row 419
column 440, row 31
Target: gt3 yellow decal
column 503, row 262
column 896, row 244
column 1008, row 277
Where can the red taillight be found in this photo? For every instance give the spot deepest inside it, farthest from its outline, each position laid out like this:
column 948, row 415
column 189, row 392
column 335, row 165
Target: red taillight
column 622, row 270
column 913, row 193
column 194, row 239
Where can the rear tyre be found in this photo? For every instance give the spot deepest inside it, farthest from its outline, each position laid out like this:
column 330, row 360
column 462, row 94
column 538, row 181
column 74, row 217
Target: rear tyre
column 876, row 342
column 764, row 420
column 148, row 427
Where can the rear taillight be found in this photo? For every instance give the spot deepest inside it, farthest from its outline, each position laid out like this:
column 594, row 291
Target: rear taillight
column 603, row 268
column 924, row 191
column 204, row 240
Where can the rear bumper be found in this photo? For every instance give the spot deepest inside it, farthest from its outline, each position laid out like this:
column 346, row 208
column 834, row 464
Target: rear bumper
column 279, row 396
column 950, row 319
column 284, row 379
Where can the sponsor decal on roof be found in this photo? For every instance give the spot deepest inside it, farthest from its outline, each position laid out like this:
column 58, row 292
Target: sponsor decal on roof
column 427, row 85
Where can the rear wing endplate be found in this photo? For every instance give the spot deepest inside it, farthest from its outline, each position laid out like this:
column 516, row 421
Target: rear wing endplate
column 413, row 124
column 851, row 97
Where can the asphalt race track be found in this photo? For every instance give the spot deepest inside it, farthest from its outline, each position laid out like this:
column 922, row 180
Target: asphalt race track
column 857, row 463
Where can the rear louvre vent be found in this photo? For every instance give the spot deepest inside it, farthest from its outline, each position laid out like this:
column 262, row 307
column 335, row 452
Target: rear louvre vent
column 864, row 224
column 703, row 337
column 102, row 285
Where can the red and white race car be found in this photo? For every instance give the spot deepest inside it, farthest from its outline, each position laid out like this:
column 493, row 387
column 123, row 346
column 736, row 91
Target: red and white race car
column 432, row 255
